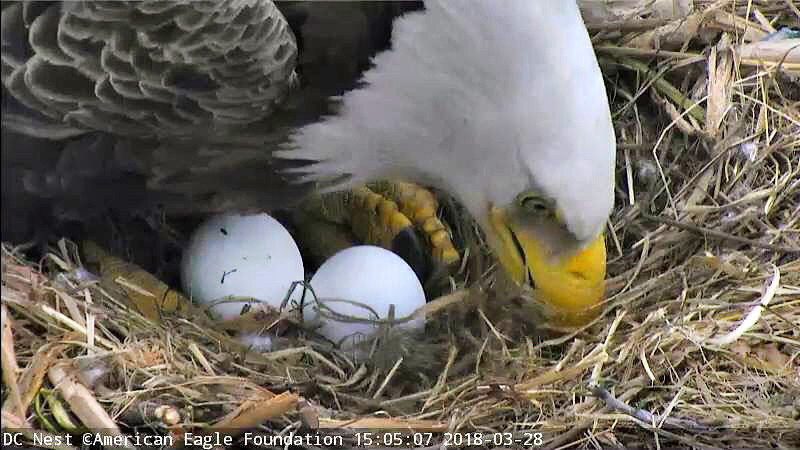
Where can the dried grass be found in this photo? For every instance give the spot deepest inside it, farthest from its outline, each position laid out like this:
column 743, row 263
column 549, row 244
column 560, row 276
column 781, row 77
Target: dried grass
column 698, row 345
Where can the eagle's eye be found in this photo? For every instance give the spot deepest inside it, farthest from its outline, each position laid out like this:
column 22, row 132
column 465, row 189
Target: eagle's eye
column 534, row 204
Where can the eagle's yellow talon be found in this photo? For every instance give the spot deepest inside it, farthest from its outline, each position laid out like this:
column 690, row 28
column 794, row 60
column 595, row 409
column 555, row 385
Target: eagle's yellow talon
column 422, row 214
column 398, row 223
column 376, row 213
column 386, row 208
column 420, row 206
column 439, row 237
column 431, row 225
column 450, row 256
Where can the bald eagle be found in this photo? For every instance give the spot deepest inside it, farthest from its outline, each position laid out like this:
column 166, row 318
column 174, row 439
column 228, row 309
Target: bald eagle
column 206, row 106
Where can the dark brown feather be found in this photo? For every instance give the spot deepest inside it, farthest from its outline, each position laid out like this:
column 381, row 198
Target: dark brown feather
column 136, row 107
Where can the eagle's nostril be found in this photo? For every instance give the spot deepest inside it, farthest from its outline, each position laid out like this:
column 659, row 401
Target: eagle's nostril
column 579, row 275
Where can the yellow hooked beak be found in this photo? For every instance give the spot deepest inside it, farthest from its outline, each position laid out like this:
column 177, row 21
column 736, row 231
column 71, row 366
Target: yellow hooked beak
column 571, row 288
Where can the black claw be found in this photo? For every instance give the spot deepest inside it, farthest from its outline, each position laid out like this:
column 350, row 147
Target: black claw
column 416, row 251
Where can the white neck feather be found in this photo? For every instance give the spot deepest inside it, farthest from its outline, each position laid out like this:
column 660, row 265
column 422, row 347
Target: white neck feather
column 483, row 99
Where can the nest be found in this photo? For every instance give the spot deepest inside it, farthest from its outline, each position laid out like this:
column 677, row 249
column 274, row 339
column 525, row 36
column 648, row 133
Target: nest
column 698, row 344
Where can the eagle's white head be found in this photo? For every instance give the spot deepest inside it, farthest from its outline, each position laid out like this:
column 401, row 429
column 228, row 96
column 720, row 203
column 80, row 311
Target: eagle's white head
column 502, row 105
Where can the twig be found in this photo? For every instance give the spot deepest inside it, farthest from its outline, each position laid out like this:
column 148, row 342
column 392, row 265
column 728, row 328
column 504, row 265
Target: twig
column 707, row 232
column 576, row 429
column 10, row 367
column 633, row 51
column 666, row 88
column 627, row 25
column 642, row 415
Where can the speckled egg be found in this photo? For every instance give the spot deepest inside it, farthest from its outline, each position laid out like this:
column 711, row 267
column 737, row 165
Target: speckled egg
column 235, row 255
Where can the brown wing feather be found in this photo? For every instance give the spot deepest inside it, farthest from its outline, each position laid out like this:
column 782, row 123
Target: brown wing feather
column 171, row 105
column 149, row 68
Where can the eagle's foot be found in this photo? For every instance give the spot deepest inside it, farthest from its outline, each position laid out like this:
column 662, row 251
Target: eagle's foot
column 145, row 292
column 420, row 207
column 395, row 215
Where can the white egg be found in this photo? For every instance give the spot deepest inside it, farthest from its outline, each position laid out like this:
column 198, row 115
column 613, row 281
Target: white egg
column 242, row 256
column 369, row 275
